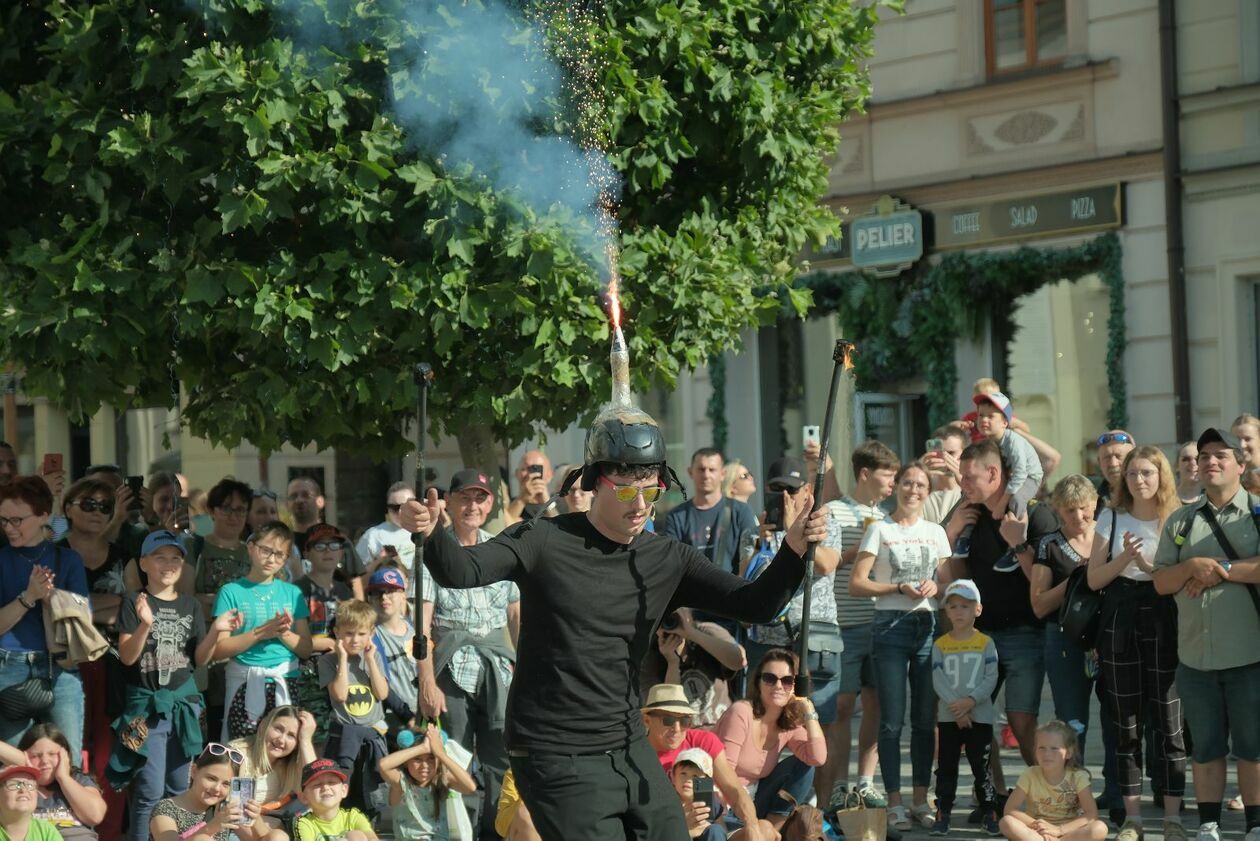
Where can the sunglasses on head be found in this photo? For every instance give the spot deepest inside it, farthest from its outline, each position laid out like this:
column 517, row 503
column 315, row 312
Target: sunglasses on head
column 271, row 495
column 89, row 505
column 627, row 493
column 1114, row 437
column 217, row 749
column 788, row 681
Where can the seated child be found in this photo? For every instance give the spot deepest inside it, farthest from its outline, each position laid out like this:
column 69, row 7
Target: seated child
column 1053, row 797
column 324, row 786
column 18, row 798
column 688, row 766
column 426, row 781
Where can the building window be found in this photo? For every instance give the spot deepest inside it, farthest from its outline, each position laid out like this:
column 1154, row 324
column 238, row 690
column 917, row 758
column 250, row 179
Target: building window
column 1021, row 34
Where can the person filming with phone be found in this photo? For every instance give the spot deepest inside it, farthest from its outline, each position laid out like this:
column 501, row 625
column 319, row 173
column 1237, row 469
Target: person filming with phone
column 533, row 476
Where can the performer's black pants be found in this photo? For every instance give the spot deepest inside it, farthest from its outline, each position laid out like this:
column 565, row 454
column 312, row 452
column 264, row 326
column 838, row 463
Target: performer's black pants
column 618, row 794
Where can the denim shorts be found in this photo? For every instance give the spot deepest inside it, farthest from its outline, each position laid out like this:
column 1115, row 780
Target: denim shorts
column 1220, row 706
column 856, row 669
column 1021, row 667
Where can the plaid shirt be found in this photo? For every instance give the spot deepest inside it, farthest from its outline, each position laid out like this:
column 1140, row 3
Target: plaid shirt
column 479, row 610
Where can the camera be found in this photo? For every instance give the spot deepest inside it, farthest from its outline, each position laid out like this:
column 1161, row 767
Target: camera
column 534, row 470
column 670, row 623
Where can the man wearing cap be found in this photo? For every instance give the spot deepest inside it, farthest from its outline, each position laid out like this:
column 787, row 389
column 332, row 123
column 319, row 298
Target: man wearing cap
column 1209, row 556
column 713, row 523
column 466, row 679
column 19, row 796
column 667, row 718
column 787, row 476
column 596, row 588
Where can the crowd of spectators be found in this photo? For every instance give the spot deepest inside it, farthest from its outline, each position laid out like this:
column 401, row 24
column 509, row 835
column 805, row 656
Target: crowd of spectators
column 185, row 665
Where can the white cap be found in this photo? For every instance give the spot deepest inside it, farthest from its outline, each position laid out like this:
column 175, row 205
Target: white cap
column 697, row 757
column 965, row 588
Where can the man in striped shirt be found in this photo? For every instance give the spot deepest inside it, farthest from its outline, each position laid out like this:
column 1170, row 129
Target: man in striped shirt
column 874, row 466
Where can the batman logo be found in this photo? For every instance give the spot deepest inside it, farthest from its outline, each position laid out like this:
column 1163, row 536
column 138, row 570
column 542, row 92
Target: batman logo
column 359, row 700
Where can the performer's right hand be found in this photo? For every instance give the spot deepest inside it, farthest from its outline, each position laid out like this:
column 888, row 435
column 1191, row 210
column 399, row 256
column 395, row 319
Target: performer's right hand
column 420, row 517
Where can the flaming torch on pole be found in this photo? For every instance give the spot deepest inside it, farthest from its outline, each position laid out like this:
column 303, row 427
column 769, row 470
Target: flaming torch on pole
column 842, row 356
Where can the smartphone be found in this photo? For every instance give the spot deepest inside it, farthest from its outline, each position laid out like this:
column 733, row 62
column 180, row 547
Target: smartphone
column 135, row 484
column 242, row 791
column 52, row 463
column 934, row 445
column 702, row 790
column 534, row 469
column 775, row 512
column 808, row 434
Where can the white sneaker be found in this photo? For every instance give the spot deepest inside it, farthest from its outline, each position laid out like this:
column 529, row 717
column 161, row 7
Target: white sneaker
column 923, row 815
column 1210, row 831
column 899, row 819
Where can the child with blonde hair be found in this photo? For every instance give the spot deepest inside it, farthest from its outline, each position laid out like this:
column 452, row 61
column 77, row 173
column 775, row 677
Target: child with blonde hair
column 1052, row 799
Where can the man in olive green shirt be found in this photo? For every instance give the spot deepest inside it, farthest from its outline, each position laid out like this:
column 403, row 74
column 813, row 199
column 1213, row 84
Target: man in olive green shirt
column 1218, row 629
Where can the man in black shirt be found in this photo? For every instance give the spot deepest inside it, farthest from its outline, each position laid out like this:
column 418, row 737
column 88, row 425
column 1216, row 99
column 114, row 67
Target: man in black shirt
column 594, row 587
column 1008, row 616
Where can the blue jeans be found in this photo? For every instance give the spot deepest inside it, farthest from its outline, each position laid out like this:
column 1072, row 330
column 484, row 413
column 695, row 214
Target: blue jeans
column 790, row 775
column 1071, row 688
column 903, row 655
column 164, row 775
column 67, row 709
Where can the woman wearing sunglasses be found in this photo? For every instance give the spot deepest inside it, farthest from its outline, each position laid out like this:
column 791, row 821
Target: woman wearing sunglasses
column 205, row 812
column 756, row 731
column 898, row 563
column 32, row 686
column 738, row 482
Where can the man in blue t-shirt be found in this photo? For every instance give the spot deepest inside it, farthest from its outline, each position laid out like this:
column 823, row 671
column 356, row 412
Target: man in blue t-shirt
column 709, row 521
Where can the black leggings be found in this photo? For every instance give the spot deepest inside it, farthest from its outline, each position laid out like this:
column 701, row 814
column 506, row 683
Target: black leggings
column 978, row 741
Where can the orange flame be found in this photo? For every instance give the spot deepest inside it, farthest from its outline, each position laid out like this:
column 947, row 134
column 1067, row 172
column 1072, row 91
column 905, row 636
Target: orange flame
column 848, row 349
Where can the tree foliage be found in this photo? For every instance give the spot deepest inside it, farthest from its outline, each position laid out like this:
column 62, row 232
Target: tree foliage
column 210, row 194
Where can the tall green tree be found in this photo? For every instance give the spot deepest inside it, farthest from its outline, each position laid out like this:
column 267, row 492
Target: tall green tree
column 215, row 194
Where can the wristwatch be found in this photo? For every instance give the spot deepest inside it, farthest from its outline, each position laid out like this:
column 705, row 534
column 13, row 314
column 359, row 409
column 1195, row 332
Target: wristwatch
column 1225, row 564
column 22, row 600
column 1021, row 548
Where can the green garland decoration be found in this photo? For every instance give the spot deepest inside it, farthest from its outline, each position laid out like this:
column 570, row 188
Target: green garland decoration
column 909, row 325
column 717, row 401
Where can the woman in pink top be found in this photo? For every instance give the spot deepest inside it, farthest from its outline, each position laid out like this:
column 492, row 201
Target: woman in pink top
column 756, row 731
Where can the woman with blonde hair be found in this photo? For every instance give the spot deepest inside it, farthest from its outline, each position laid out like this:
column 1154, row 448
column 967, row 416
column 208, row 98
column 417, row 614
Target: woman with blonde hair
column 1247, row 429
column 1137, row 646
column 274, row 757
column 738, row 482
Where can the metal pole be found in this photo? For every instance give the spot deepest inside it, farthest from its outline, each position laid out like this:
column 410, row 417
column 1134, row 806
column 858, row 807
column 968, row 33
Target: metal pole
column 424, row 378
column 840, row 356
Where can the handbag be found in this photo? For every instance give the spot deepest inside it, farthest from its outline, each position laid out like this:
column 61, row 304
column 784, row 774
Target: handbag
column 1080, row 615
column 859, row 823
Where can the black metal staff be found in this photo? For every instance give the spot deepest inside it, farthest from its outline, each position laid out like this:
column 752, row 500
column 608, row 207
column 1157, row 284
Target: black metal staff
column 424, row 378
column 840, row 356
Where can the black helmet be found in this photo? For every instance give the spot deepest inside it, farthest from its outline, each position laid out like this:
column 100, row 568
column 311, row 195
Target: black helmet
column 612, row 440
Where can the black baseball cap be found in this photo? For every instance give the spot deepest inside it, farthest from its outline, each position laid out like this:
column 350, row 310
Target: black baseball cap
column 470, row 478
column 1214, row 434
column 787, row 471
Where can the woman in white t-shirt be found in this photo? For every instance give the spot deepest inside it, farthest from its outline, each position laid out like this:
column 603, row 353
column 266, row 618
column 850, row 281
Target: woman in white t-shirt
column 897, row 564
column 1137, row 645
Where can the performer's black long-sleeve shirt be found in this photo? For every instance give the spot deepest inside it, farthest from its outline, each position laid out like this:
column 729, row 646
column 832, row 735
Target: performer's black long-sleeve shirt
column 589, row 611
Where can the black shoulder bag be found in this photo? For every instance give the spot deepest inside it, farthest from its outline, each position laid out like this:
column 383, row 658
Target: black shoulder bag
column 1080, row 615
